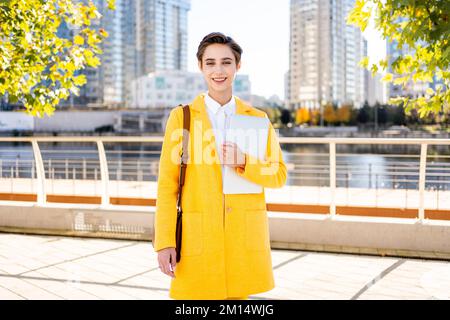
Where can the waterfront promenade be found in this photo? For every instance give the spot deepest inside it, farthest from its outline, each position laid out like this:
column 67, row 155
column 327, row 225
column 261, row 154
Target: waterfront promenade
column 378, row 239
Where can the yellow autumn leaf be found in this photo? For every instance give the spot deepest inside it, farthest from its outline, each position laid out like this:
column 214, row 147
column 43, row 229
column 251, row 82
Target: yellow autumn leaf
column 79, row 80
column 111, row 4
column 88, row 54
column 103, row 32
column 387, row 77
column 401, row 80
column 374, row 69
column 70, row 66
column 364, row 62
column 78, row 40
column 429, row 91
column 383, row 63
column 93, row 62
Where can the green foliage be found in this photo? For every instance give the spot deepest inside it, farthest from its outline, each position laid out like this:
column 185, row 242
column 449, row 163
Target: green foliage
column 37, row 67
column 423, row 26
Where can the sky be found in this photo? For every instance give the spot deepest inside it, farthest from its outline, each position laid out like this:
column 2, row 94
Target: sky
column 261, row 28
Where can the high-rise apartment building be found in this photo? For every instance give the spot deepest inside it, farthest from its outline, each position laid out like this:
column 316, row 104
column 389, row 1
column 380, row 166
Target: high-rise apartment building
column 144, row 36
column 376, row 89
column 324, row 55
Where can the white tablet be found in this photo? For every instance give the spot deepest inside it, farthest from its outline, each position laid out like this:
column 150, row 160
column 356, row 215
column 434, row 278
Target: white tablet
column 250, row 134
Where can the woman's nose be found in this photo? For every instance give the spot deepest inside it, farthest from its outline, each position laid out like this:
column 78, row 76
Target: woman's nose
column 219, row 69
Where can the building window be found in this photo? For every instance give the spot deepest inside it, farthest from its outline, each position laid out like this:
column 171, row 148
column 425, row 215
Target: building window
column 159, row 83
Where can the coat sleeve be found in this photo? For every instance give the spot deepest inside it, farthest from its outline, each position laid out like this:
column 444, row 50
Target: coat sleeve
column 271, row 172
column 167, row 190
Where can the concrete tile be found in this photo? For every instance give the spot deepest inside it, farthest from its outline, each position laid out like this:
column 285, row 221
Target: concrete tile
column 154, row 279
column 12, row 268
column 279, row 256
column 67, row 290
column 64, row 273
column 144, row 294
column 88, row 272
column 105, row 292
column 27, row 289
column 6, row 294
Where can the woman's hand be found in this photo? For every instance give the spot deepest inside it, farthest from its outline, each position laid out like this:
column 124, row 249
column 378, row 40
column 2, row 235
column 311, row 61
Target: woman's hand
column 167, row 261
column 232, row 155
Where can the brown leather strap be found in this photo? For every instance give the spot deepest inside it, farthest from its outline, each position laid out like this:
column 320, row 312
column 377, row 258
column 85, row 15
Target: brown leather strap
column 185, row 150
column 183, row 164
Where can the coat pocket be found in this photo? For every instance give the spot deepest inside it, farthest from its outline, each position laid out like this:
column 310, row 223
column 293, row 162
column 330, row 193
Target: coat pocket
column 257, row 236
column 192, row 234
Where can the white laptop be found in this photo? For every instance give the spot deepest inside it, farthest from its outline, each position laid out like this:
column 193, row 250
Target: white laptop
column 251, row 135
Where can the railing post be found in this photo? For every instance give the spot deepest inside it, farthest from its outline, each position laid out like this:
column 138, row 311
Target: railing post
column 84, row 168
column 395, row 176
column 422, row 172
column 17, row 167
column 119, row 177
column 333, row 178
column 40, row 174
column 103, row 173
column 437, row 193
column 347, row 175
column 12, row 179
column 67, row 168
column 139, row 171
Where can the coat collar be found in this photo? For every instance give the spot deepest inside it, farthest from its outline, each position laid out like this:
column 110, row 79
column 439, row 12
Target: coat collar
column 198, row 105
column 214, row 107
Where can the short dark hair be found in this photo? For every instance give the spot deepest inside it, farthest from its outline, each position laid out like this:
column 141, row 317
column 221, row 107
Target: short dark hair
column 217, row 37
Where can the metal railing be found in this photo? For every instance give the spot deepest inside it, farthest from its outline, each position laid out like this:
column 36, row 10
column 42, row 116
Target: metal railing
column 100, row 167
column 332, row 142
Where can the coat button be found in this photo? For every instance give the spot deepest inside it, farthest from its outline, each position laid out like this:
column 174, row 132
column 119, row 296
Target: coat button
column 229, row 209
column 213, row 153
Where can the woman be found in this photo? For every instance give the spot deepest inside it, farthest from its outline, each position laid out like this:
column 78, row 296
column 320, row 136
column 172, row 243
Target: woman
column 225, row 252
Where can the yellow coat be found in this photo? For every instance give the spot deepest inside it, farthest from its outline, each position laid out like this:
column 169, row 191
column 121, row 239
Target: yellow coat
column 225, row 248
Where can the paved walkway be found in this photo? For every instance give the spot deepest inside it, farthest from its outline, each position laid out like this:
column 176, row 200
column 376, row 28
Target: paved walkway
column 53, row 267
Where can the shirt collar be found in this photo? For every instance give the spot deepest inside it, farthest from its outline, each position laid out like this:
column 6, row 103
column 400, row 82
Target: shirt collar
column 215, row 107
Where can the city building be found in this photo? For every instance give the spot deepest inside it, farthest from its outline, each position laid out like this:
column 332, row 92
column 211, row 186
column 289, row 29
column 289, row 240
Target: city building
column 376, row 89
column 272, row 101
column 169, row 88
column 144, row 36
column 324, row 55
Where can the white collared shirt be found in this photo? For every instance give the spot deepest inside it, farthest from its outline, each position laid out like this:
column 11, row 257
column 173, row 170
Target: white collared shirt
column 218, row 116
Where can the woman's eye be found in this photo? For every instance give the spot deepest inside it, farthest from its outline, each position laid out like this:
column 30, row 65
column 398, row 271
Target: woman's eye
column 210, row 64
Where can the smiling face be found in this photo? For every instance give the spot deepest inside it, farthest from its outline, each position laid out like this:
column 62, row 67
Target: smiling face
column 219, row 67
